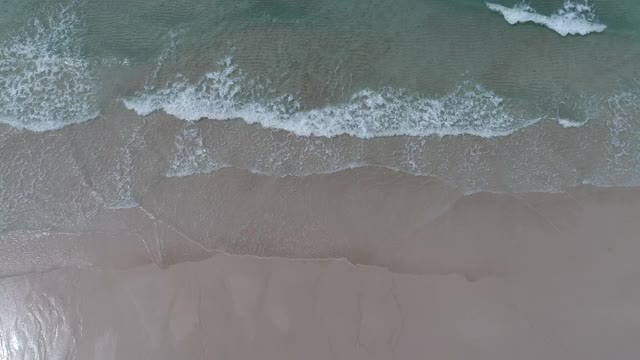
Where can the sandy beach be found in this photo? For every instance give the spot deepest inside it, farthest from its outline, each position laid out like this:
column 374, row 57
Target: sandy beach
column 362, row 263
column 484, row 276
column 327, row 179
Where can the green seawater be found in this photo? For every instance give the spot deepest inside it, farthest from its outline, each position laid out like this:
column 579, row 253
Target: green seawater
column 424, row 46
column 365, row 68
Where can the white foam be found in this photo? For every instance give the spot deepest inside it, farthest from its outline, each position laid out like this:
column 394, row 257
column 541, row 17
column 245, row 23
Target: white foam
column 568, row 123
column 573, row 18
column 122, row 175
column 225, row 94
column 125, row 202
column 45, row 82
column 624, row 144
column 191, row 156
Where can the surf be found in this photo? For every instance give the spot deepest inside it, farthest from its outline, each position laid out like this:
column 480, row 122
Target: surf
column 571, row 19
column 226, row 94
column 46, row 83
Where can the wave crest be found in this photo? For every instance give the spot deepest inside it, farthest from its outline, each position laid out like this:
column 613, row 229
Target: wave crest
column 45, row 82
column 571, row 19
column 226, row 94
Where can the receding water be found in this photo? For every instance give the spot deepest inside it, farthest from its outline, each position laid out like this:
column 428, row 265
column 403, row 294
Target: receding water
column 502, row 96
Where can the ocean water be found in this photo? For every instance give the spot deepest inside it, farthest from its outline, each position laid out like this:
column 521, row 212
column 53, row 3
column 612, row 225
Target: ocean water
column 163, row 131
column 515, row 96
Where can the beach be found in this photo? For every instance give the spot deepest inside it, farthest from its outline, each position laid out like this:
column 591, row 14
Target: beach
column 487, row 276
column 279, row 179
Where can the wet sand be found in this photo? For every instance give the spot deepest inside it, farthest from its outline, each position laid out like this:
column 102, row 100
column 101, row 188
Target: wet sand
column 103, row 256
column 368, row 216
column 438, row 274
column 392, row 181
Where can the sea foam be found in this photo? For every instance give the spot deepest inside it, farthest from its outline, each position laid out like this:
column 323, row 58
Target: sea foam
column 571, row 19
column 568, row 123
column 191, row 156
column 226, row 94
column 45, row 82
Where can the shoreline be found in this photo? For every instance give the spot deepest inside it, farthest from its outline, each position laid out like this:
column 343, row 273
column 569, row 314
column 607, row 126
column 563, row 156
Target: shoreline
column 366, row 216
column 245, row 307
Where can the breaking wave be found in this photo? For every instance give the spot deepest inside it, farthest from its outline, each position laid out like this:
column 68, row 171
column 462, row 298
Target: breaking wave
column 225, row 95
column 573, row 18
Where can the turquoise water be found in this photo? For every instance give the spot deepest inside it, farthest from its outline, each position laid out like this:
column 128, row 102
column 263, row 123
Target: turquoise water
column 364, row 69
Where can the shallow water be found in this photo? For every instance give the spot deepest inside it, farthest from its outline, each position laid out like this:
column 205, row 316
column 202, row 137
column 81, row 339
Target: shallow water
column 365, row 69
column 490, row 150
column 443, row 89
